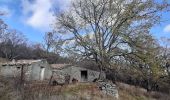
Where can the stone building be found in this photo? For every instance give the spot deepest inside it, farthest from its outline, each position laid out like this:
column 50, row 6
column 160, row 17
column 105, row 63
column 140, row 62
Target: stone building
column 28, row 70
column 75, row 72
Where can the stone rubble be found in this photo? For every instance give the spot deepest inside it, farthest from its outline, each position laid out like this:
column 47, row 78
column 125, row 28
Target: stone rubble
column 108, row 88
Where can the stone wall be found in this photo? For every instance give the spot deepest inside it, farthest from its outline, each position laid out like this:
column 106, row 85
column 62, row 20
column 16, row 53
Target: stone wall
column 30, row 72
column 36, row 71
column 75, row 72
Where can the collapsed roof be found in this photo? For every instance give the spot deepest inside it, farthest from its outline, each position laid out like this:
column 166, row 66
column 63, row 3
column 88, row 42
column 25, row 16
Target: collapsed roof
column 20, row 62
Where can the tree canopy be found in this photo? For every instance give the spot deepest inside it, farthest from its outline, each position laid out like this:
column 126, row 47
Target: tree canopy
column 106, row 30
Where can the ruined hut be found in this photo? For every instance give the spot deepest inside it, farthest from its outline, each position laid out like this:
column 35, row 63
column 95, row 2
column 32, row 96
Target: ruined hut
column 67, row 72
column 28, row 70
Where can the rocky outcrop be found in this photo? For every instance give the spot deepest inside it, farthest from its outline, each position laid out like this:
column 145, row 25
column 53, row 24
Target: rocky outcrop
column 108, row 88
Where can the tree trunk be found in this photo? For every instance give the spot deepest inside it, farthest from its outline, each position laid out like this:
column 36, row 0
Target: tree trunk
column 101, row 66
column 101, row 71
column 148, row 86
column 148, row 83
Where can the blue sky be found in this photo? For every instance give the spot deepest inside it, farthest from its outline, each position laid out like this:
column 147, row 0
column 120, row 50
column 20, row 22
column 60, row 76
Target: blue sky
column 34, row 17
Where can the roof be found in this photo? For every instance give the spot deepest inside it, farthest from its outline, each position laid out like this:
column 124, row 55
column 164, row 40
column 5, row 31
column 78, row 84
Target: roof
column 60, row 66
column 20, row 62
column 82, row 65
column 88, row 65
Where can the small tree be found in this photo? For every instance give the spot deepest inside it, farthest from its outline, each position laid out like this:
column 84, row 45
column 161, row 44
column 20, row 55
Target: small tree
column 53, row 42
column 49, row 40
column 165, row 55
column 3, row 28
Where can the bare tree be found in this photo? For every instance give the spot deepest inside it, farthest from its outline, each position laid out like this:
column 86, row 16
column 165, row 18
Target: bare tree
column 3, row 28
column 53, row 42
column 49, row 40
column 103, row 30
column 10, row 43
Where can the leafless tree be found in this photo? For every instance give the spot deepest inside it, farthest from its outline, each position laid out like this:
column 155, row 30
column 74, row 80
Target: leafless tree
column 10, row 42
column 53, row 42
column 3, row 28
column 49, row 40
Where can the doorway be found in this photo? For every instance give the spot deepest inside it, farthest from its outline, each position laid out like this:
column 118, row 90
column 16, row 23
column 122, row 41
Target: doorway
column 84, row 75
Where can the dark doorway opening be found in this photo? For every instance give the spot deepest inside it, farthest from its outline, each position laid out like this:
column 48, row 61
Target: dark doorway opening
column 84, row 75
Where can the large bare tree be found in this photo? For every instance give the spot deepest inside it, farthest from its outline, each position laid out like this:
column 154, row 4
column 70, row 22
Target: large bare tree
column 105, row 30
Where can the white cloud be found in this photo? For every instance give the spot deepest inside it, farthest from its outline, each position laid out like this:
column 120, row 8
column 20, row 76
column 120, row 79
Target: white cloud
column 39, row 14
column 167, row 28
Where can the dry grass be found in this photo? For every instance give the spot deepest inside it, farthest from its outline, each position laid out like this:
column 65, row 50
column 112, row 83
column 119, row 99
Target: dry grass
column 129, row 92
column 87, row 91
column 7, row 89
column 79, row 91
column 3, row 60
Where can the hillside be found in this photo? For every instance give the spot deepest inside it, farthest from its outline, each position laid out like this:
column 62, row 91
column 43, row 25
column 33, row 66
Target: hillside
column 130, row 92
column 78, row 91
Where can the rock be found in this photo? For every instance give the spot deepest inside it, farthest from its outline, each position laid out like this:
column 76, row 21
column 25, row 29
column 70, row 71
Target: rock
column 108, row 88
column 103, row 88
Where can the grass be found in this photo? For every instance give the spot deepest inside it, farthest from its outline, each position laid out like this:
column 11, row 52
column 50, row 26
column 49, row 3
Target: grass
column 3, row 60
column 78, row 91
column 129, row 92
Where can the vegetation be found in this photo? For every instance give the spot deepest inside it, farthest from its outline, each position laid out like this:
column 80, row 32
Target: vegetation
column 113, row 35
column 108, row 30
column 14, row 45
column 79, row 91
column 117, row 33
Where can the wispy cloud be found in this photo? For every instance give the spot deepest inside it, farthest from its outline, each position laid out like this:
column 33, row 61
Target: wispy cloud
column 38, row 13
column 7, row 12
column 167, row 28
